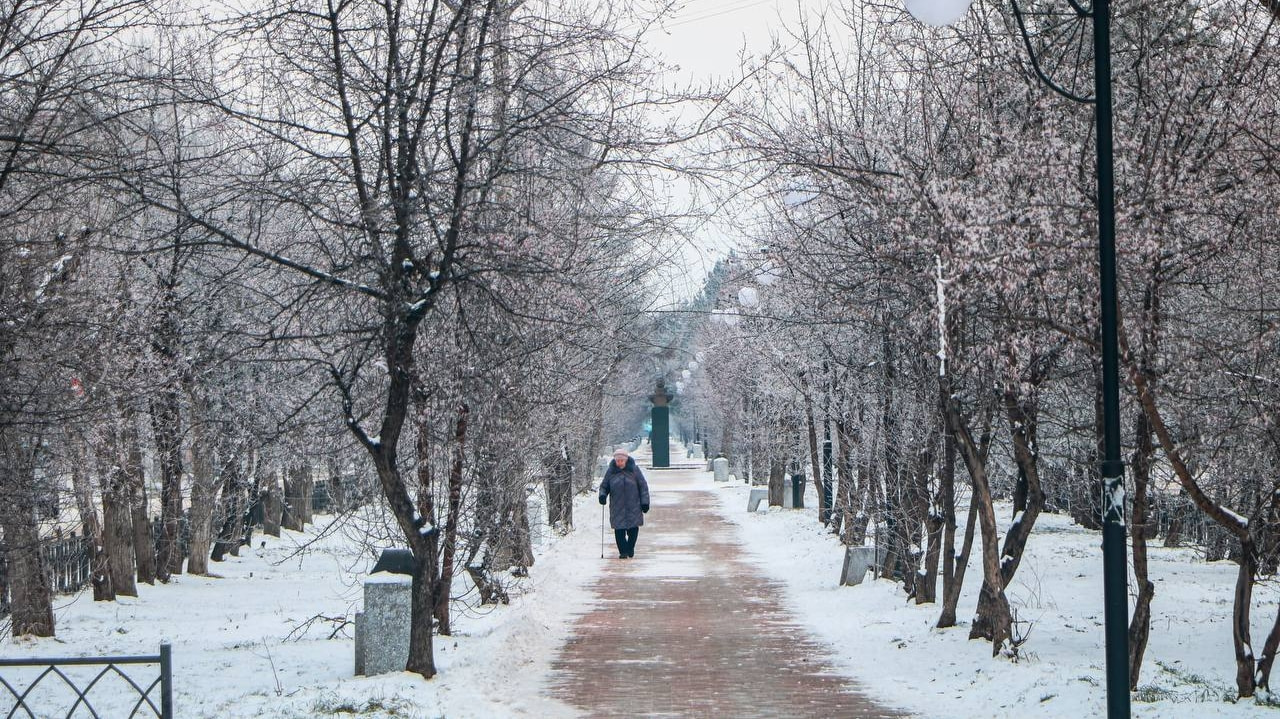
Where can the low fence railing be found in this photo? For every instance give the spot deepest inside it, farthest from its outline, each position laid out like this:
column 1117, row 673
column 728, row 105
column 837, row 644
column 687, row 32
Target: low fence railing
column 33, row 700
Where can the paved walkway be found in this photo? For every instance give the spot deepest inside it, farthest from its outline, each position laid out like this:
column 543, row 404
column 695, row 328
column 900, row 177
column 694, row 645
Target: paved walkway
column 690, row 629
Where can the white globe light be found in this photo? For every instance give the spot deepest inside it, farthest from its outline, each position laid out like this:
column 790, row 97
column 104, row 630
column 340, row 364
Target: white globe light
column 768, row 274
column 748, row 297
column 796, row 198
column 938, row 12
column 730, row 317
column 686, row 374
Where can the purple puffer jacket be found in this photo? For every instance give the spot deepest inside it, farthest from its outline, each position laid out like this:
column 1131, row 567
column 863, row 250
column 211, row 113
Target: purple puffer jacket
column 627, row 492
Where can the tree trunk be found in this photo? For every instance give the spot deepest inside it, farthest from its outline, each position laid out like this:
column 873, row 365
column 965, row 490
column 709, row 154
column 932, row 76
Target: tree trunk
column 951, row 590
column 946, row 502
column 726, row 435
column 424, row 541
column 1225, row 519
column 865, row 500
column 444, row 585
column 230, row 519
column 144, row 544
column 1240, row 632
column 117, row 526
column 203, row 488
column 927, row 585
column 776, row 477
column 1023, row 416
column 291, row 507
column 522, row 551
column 1140, row 625
column 559, row 485
column 31, row 599
column 814, row 462
column 272, row 506
column 1268, row 658
column 843, row 510
column 307, row 511
column 165, row 424
column 421, row 650
column 100, row 569
column 993, row 620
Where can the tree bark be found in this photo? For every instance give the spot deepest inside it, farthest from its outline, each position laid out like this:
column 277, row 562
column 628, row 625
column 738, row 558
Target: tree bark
column 230, row 519
column 945, row 500
column 272, row 506
column 993, row 619
column 1268, row 658
column 203, row 487
column 1226, row 519
column 1023, row 416
column 135, row 490
column 1140, row 625
column 814, row 462
column 927, row 584
column 865, row 489
column 951, row 590
column 559, row 485
column 306, row 511
column 776, row 477
column 291, row 507
column 31, row 598
column 165, row 424
column 444, row 582
column 117, row 524
column 843, row 511
column 100, row 568
column 1240, row 631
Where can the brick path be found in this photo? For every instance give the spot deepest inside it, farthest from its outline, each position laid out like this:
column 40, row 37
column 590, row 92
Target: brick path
column 690, row 629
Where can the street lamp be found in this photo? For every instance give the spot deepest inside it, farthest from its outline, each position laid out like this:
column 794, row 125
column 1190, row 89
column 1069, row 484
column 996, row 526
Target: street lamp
column 1114, row 559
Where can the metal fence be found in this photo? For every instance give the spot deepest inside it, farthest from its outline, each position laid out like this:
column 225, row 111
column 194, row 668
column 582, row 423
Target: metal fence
column 68, row 562
column 65, row 560
column 30, row 695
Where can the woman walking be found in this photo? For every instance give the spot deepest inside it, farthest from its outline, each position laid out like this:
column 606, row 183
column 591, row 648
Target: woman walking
column 627, row 494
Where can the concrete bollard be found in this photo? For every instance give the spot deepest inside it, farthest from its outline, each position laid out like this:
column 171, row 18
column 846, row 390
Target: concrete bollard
column 857, row 560
column 382, row 629
column 720, row 466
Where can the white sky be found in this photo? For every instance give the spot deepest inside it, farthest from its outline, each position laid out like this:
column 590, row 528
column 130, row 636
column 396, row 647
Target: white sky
column 706, row 37
column 707, row 42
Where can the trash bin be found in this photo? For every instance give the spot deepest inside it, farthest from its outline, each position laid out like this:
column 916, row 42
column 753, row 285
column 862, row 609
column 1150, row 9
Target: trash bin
column 395, row 561
column 797, row 491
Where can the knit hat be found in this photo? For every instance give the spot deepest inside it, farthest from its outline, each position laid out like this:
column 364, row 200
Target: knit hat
column 621, row 451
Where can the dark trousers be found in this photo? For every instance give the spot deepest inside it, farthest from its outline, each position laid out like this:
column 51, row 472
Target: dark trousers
column 626, row 539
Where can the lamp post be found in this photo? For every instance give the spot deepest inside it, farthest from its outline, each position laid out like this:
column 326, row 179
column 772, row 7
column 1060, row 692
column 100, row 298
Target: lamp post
column 1114, row 558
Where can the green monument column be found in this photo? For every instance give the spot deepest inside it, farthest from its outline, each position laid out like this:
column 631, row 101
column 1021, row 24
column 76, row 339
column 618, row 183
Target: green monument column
column 660, row 419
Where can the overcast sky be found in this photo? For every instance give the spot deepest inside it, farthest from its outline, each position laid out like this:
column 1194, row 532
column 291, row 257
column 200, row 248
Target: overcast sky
column 707, row 40
column 706, row 37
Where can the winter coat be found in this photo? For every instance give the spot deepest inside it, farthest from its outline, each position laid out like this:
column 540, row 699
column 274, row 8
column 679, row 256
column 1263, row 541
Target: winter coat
column 628, row 493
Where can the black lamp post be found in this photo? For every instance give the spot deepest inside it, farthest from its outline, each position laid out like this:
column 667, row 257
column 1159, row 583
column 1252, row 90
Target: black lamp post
column 1114, row 557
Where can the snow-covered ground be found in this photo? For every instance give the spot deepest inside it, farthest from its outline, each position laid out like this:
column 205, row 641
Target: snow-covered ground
column 241, row 649
column 890, row 644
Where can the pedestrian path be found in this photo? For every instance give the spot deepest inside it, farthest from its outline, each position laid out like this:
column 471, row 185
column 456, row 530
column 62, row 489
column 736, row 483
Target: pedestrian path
column 689, row 628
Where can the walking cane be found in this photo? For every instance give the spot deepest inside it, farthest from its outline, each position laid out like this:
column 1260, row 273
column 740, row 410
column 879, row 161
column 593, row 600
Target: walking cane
column 602, row 531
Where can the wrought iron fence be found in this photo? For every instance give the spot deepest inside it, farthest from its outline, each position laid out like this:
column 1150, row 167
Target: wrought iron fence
column 65, row 560
column 68, row 563
column 35, row 699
